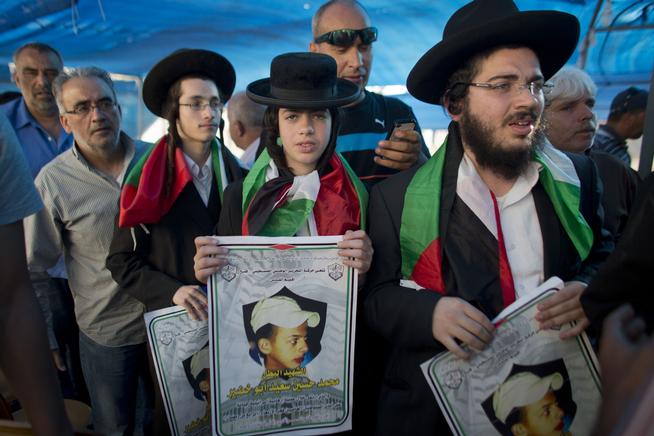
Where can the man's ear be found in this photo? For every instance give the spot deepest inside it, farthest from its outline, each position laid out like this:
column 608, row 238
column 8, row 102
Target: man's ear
column 63, row 119
column 313, row 47
column 519, row 429
column 240, row 128
column 455, row 113
column 264, row 346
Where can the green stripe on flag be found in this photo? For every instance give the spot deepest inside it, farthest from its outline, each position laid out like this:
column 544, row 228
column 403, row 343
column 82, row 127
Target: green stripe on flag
column 135, row 173
column 254, row 180
column 565, row 198
column 215, row 163
column 421, row 214
column 287, row 220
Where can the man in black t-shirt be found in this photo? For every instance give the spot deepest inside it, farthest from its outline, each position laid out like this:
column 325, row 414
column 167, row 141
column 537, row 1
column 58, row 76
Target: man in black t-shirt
column 341, row 29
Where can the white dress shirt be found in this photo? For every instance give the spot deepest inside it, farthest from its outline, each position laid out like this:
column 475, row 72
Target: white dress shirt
column 520, row 226
column 202, row 176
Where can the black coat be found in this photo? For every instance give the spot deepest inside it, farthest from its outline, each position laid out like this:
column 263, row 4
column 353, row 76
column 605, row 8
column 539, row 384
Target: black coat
column 625, row 277
column 152, row 261
column 470, row 271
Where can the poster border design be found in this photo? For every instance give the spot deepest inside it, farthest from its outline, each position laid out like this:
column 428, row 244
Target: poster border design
column 582, row 342
column 282, row 243
column 163, row 382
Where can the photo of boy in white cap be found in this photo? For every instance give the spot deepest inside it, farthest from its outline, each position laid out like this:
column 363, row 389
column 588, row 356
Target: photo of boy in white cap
column 280, row 330
column 530, row 402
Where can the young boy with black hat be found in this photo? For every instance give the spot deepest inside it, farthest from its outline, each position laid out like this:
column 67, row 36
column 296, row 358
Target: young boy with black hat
column 490, row 216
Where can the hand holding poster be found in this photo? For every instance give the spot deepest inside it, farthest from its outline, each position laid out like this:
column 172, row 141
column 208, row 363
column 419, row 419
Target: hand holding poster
column 282, row 337
column 527, row 379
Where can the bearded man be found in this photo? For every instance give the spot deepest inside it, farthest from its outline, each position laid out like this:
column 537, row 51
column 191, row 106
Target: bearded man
column 492, row 215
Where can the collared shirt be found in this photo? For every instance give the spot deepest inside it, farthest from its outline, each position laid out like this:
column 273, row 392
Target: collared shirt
column 81, row 204
column 249, row 155
column 202, row 176
column 520, row 226
column 37, row 144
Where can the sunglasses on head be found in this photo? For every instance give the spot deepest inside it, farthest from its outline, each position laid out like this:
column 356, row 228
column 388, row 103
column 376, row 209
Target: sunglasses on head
column 346, row 37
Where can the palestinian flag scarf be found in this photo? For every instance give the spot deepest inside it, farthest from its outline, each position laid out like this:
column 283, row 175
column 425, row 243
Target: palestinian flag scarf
column 282, row 205
column 420, row 242
column 143, row 199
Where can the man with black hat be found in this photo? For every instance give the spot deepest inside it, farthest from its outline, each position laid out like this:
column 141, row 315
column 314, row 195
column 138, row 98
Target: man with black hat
column 175, row 193
column 490, row 216
column 341, row 29
column 80, row 190
column 626, row 121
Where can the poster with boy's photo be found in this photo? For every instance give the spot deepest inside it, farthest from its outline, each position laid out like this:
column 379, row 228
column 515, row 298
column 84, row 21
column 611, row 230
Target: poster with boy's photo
column 282, row 337
column 180, row 350
column 527, row 382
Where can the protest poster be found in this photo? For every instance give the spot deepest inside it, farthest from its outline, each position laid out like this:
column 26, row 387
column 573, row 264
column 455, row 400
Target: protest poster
column 526, row 381
column 180, row 349
column 282, row 317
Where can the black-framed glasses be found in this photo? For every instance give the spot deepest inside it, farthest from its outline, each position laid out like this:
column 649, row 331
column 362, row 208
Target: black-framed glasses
column 535, row 88
column 197, row 106
column 104, row 105
column 347, row 37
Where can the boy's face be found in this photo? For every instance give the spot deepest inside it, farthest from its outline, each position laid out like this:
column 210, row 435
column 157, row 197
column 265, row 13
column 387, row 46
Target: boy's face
column 286, row 348
column 543, row 417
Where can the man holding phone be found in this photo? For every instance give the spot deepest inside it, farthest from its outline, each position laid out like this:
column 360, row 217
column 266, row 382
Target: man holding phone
column 368, row 138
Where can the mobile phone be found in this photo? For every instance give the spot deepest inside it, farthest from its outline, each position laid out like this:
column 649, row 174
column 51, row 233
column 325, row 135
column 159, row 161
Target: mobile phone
column 405, row 124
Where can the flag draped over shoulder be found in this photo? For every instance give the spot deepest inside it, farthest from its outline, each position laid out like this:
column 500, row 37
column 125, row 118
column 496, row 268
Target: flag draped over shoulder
column 280, row 206
column 143, row 199
column 420, row 242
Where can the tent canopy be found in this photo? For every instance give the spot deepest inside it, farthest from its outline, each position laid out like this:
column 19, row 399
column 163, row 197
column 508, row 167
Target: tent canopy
column 128, row 37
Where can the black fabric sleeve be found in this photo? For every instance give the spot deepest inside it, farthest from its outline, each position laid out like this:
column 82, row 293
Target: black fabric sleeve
column 591, row 197
column 127, row 261
column 625, row 277
column 401, row 315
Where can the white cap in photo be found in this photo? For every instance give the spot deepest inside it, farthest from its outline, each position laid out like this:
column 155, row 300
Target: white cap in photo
column 522, row 389
column 281, row 312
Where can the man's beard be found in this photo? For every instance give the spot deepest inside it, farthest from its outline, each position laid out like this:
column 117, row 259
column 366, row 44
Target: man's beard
column 490, row 154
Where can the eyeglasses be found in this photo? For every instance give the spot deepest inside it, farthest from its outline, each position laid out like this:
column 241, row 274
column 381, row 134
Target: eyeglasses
column 105, row 105
column 196, row 106
column 347, row 37
column 537, row 89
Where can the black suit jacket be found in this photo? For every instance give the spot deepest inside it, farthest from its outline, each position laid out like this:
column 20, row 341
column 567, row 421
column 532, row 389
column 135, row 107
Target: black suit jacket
column 152, row 261
column 404, row 316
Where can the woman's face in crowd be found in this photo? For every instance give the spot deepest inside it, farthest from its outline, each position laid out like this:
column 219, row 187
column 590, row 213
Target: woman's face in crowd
column 305, row 134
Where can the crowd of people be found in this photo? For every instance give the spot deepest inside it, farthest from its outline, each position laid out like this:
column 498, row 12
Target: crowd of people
column 524, row 187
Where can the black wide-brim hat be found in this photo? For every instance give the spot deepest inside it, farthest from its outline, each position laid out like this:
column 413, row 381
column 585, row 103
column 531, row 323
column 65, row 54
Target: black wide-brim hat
column 185, row 62
column 484, row 24
column 303, row 80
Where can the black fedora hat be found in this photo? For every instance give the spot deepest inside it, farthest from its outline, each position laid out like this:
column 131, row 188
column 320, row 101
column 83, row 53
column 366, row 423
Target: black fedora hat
column 484, row 24
column 303, row 80
column 182, row 63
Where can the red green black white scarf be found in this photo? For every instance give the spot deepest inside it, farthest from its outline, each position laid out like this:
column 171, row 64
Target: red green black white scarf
column 281, row 206
column 143, row 199
column 420, row 242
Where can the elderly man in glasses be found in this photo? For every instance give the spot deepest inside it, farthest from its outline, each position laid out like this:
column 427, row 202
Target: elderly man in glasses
column 494, row 213
column 341, row 29
column 80, row 190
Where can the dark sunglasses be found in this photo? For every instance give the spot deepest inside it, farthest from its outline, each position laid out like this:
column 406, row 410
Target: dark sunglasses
column 346, row 37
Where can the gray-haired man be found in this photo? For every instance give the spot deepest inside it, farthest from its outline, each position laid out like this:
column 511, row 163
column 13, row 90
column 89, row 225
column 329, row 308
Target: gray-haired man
column 80, row 191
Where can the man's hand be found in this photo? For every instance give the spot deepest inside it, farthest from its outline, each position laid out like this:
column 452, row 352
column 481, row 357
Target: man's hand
column 58, row 360
column 400, row 152
column 627, row 361
column 209, row 257
column 562, row 308
column 193, row 300
column 456, row 319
